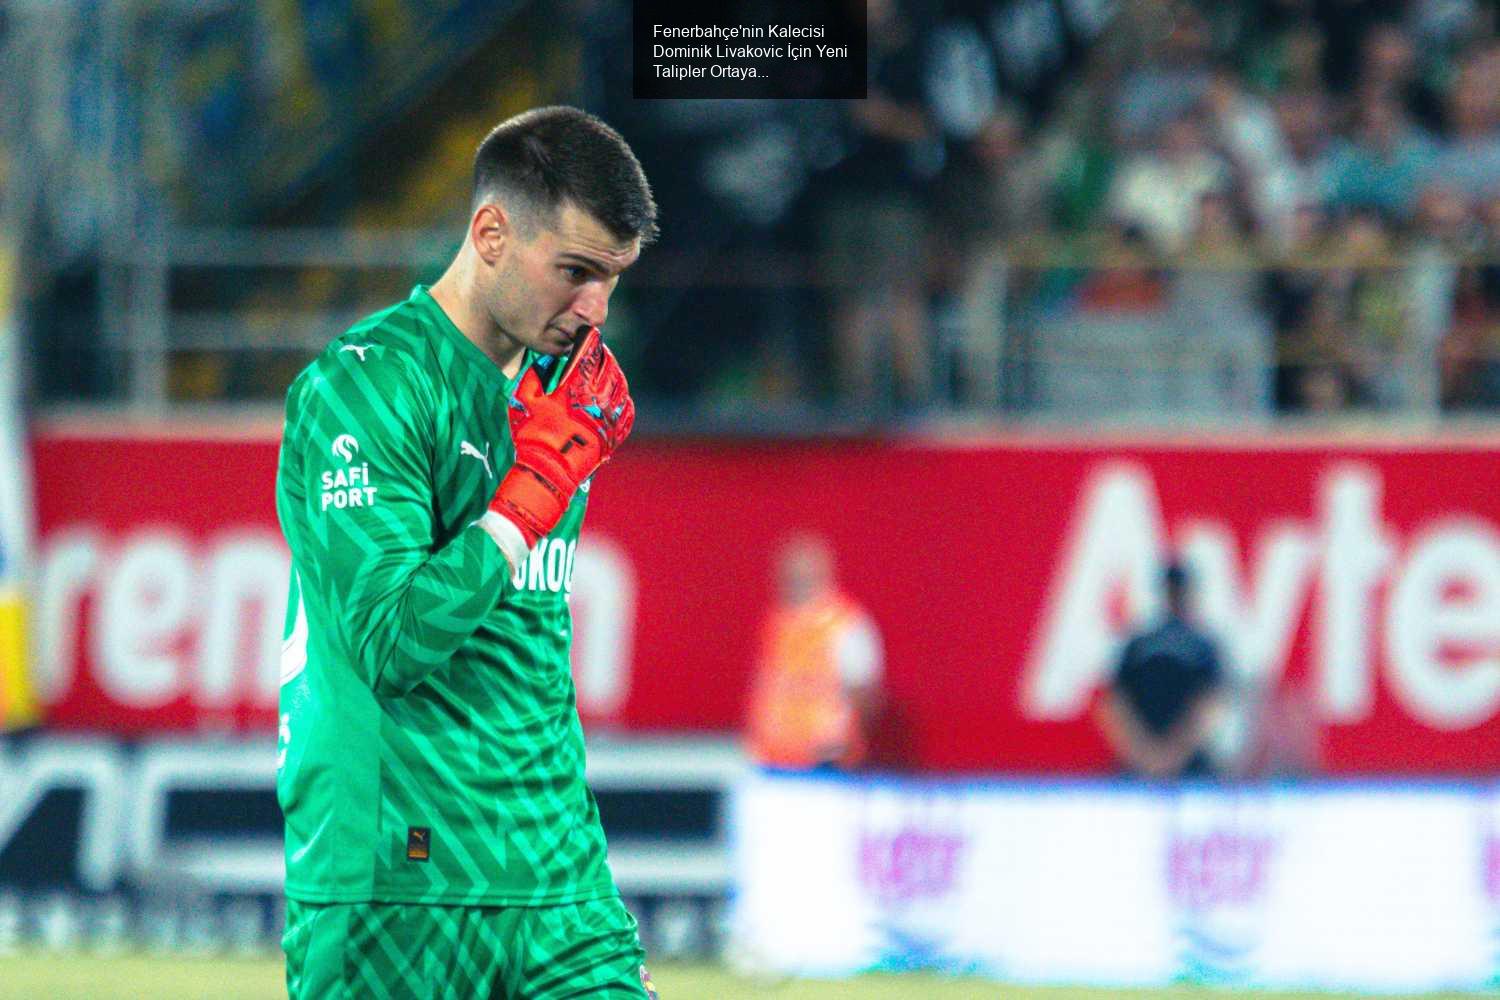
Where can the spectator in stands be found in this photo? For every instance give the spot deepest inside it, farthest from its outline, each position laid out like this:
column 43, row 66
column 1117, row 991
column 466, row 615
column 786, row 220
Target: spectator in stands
column 1297, row 178
column 1389, row 69
column 874, row 229
column 1469, row 364
column 1470, row 351
column 998, row 191
column 1315, row 356
column 1223, row 349
column 1385, row 162
column 1470, row 156
column 1166, row 693
column 1353, row 44
column 1285, row 53
column 1378, row 347
column 1291, row 287
column 1441, row 33
column 993, row 196
column 817, row 685
column 1076, row 150
column 1170, row 75
column 1436, row 241
column 1244, row 129
column 1445, row 25
column 1160, row 190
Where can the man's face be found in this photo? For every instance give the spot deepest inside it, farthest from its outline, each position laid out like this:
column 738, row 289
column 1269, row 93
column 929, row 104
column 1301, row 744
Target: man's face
column 549, row 288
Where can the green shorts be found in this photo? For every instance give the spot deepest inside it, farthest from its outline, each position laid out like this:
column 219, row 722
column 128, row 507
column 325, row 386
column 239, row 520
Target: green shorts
column 407, row 951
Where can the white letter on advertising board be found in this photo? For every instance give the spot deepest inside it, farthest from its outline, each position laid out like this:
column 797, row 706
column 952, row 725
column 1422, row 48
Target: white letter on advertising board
column 603, row 605
column 1355, row 554
column 1425, row 620
column 69, row 560
column 1256, row 624
column 247, row 581
column 144, row 606
column 1116, row 542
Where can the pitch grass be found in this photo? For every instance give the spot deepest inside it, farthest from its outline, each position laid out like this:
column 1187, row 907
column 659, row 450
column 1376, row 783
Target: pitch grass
column 141, row 977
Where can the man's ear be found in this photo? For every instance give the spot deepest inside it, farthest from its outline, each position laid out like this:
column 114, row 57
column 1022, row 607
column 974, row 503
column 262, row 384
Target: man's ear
column 489, row 229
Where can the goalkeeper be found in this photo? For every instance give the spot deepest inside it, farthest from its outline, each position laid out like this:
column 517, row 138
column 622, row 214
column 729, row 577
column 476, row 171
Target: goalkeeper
column 434, row 469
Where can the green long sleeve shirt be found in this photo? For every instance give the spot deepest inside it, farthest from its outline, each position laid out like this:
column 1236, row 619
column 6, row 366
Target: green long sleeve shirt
column 430, row 749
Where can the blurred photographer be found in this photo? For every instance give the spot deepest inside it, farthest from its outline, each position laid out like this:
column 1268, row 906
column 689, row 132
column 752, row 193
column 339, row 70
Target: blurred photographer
column 1166, row 694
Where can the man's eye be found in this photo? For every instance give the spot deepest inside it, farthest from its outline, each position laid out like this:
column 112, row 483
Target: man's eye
column 576, row 273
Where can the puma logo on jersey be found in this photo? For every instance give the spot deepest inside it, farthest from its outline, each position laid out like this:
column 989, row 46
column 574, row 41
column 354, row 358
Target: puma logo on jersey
column 465, row 448
column 358, row 349
column 418, row 843
column 344, row 446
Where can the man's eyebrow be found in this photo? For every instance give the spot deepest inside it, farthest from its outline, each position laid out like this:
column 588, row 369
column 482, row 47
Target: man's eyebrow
column 593, row 263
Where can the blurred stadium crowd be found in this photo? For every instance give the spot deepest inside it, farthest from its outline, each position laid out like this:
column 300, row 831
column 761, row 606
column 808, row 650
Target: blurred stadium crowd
column 1061, row 208
column 1078, row 208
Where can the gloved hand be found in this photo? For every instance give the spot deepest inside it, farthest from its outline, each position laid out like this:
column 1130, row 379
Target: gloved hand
column 562, row 437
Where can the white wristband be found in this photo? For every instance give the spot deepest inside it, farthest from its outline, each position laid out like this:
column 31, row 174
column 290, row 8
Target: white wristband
column 507, row 536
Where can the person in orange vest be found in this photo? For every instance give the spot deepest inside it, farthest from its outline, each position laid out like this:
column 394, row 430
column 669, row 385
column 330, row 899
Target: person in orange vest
column 817, row 681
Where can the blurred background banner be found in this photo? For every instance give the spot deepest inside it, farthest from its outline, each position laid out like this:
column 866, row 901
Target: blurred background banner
column 1361, row 579
column 1379, row 887
column 1083, row 287
column 161, row 597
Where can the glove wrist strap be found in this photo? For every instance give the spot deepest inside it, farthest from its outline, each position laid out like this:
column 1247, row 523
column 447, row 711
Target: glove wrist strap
column 529, row 501
column 506, row 535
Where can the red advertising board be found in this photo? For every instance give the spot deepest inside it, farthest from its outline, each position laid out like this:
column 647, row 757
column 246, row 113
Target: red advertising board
column 1000, row 573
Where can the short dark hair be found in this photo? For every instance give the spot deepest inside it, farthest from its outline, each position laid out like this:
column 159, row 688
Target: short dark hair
column 541, row 158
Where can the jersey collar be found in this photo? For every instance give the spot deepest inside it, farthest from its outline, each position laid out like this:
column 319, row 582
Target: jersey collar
column 422, row 294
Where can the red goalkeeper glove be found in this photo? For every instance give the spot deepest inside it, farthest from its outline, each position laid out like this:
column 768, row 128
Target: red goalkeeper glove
column 561, row 439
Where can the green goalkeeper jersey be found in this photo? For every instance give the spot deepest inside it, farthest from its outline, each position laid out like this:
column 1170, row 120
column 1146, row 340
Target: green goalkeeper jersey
column 429, row 749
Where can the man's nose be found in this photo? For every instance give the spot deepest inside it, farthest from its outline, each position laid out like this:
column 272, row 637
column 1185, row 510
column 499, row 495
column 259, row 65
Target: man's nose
column 592, row 304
